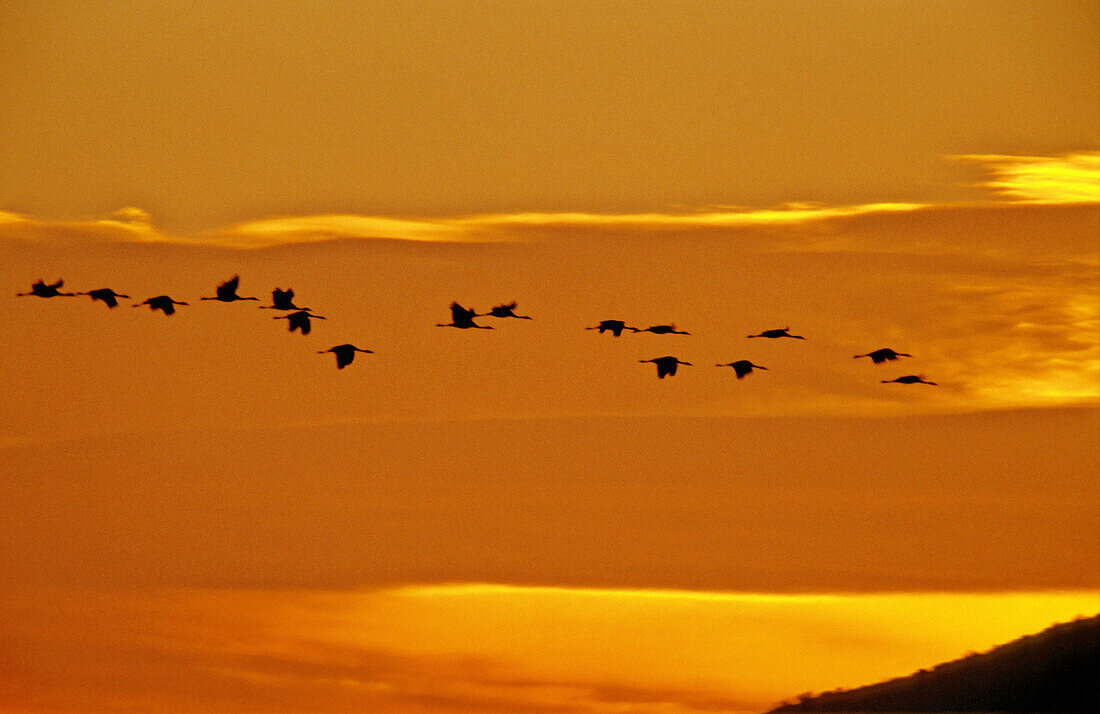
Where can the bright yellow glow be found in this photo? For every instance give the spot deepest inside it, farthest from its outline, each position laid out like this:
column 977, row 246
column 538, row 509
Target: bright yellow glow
column 134, row 224
column 790, row 214
column 494, row 589
column 303, row 229
column 491, row 647
column 274, row 231
column 736, row 643
column 1070, row 178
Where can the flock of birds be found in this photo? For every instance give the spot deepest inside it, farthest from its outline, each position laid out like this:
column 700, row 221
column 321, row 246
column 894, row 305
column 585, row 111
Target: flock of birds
column 298, row 319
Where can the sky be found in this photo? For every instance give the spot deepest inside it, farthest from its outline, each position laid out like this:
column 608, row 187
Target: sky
column 526, row 518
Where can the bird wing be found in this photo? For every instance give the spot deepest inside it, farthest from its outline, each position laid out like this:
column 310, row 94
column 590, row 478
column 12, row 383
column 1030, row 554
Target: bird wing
column 229, row 287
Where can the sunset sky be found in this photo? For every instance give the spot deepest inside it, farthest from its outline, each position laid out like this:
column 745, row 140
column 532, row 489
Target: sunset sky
column 199, row 513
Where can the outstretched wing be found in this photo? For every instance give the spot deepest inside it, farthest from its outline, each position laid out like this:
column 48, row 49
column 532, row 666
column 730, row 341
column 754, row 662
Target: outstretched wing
column 229, row 287
column 460, row 315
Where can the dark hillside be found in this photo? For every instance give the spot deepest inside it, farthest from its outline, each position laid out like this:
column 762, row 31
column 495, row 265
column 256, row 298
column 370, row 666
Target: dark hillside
column 1052, row 671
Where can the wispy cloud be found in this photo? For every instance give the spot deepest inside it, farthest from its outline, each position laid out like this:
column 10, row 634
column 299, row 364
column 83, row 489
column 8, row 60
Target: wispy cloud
column 1069, row 178
column 1030, row 339
column 308, row 229
column 126, row 225
column 1072, row 178
column 508, row 227
column 135, row 225
column 785, row 215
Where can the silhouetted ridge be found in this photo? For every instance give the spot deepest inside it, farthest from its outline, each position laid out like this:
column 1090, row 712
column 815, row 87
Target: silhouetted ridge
column 1052, row 671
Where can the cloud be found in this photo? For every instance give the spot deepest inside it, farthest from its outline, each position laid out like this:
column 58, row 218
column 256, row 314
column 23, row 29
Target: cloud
column 785, row 215
column 1069, row 178
column 1072, row 178
column 509, row 227
column 1029, row 341
column 126, row 225
column 309, row 229
column 135, row 225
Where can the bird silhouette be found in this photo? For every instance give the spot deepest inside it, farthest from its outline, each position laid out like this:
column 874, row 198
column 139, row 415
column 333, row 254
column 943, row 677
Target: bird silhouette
column 662, row 330
column 909, row 379
column 772, row 334
column 299, row 321
column 282, row 300
column 615, row 327
column 666, row 366
column 883, row 355
column 106, row 296
column 227, row 291
column 741, row 367
column 163, row 303
column 463, row 318
column 42, row 290
column 344, row 354
column 507, row 310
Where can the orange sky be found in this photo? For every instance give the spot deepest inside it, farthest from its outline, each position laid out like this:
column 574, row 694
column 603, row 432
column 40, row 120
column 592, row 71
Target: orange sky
column 233, row 523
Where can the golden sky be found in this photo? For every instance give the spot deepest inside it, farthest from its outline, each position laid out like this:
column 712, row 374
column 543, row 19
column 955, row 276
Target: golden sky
column 526, row 519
